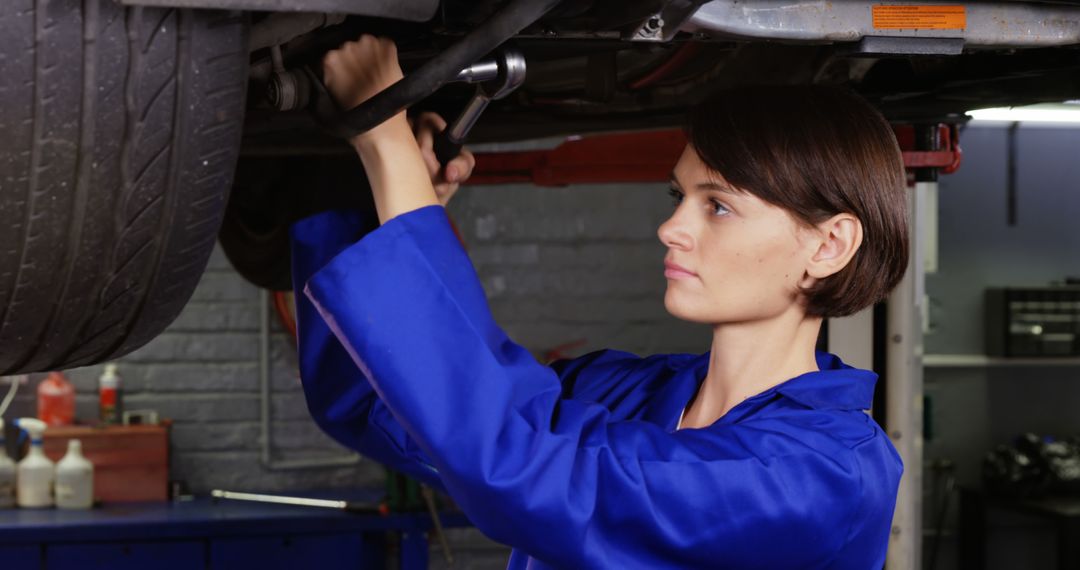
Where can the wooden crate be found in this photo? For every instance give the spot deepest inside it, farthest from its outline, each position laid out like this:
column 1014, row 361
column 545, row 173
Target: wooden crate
column 131, row 463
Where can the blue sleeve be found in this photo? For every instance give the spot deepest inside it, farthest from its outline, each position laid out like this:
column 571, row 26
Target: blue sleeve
column 584, row 373
column 556, row 477
column 339, row 397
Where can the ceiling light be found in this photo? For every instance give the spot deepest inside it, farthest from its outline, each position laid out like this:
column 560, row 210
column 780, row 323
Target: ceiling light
column 1061, row 113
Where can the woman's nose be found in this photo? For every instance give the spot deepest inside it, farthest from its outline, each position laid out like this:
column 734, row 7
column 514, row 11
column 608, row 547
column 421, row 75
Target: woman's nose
column 673, row 234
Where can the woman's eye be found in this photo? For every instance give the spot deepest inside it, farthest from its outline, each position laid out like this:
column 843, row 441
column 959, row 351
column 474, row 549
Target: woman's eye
column 676, row 196
column 717, row 208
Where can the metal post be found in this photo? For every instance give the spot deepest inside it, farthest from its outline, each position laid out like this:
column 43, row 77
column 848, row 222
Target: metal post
column 266, row 433
column 904, row 391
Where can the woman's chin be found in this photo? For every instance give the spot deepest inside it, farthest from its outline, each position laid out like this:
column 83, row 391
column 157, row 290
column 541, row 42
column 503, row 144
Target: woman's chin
column 681, row 310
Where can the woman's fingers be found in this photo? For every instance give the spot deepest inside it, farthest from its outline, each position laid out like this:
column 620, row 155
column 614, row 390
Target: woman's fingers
column 426, row 129
column 457, row 171
column 357, row 70
column 447, row 180
column 428, row 126
column 460, row 168
column 432, row 121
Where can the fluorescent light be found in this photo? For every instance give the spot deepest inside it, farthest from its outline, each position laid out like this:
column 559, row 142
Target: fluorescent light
column 1049, row 113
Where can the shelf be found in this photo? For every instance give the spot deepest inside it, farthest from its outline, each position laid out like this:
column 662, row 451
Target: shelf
column 981, row 360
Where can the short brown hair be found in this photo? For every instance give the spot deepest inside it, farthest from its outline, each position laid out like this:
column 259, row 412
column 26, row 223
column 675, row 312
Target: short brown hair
column 816, row 152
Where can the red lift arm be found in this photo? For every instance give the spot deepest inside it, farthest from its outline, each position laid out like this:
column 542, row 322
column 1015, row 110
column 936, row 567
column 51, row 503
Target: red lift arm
column 649, row 157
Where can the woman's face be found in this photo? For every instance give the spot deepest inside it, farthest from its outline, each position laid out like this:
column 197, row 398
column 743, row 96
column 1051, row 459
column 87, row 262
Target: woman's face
column 732, row 257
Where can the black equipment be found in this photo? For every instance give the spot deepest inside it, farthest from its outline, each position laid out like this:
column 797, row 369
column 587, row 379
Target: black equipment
column 1033, row 322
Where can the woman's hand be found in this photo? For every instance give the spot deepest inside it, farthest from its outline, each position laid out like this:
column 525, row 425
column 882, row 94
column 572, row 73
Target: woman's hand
column 400, row 176
column 457, row 171
column 356, row 71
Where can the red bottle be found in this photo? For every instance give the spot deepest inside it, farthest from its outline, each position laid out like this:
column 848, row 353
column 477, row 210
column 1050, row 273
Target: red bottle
column 109, row 400
column 56, row 400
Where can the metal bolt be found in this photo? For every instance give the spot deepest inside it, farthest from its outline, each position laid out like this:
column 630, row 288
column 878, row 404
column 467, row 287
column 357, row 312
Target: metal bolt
column 273, row 93
column 896, row 531
column 895, row 434
column 284, row 93
column 897, row 338
column 651, row 28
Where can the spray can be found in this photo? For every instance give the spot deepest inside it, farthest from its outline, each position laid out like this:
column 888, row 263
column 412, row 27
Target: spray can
column 109, row 395
column 56, row 400
column 7, row 474
column 35, row 473
column 74, row 479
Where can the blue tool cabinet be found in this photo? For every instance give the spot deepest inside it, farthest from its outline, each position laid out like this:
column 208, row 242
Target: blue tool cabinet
column 203, row 534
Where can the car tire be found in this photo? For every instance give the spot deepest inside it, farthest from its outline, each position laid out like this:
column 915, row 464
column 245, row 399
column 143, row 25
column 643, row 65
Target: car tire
column 121, row 129
column 255, row 234
column 270, row 193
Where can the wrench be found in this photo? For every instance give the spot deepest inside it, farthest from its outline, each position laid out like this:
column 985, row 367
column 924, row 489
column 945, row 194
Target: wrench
column 511, row 74
column 303, row 88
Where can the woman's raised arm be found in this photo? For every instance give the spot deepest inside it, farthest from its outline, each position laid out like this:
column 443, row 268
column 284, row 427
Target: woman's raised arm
column 398, row 174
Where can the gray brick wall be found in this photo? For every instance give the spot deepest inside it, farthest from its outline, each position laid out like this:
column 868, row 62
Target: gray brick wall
column 582, row 262
column 203, row 374
column 558, row 264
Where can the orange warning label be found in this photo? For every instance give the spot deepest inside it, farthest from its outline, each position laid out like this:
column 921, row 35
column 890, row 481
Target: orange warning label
column 892, row 17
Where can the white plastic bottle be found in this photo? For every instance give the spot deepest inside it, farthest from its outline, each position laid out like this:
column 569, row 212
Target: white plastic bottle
column 74, row 479
column 7, row 474
column 35, row 473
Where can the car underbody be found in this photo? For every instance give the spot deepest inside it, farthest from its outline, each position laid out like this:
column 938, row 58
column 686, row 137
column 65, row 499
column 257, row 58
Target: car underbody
column 139, row 132
column 591, row 67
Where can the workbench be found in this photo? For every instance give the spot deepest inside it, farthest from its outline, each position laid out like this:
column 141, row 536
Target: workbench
column 1063, row 511
column 206, row 534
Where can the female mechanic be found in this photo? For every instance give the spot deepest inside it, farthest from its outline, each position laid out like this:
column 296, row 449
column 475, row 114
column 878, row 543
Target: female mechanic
column 789, row 207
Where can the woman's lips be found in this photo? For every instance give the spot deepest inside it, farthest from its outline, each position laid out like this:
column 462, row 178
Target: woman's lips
column 675, row 271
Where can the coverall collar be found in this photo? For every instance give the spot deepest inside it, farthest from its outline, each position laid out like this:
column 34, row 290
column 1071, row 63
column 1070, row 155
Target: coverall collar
column 835, row 386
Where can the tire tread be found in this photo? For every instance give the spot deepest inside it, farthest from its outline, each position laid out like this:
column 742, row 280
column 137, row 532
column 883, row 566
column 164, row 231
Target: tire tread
column 112, row 232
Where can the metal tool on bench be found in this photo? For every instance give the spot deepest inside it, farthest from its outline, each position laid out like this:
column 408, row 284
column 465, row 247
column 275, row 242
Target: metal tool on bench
column 429, row 499
column 348, row 506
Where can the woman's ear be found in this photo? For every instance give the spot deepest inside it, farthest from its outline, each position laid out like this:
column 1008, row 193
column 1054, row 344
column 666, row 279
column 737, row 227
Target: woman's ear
column 838, row 238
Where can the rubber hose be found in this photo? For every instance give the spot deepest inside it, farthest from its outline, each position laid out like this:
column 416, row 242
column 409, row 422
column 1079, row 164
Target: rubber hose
column 505, row 24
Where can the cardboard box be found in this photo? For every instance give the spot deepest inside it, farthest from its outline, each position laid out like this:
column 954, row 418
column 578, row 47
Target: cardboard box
column 131, row 463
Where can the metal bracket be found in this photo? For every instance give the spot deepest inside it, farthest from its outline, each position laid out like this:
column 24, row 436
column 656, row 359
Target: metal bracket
column 882, row 45
column 983, row 24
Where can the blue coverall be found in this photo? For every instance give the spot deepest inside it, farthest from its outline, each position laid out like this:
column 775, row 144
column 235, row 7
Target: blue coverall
column 576, row 465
